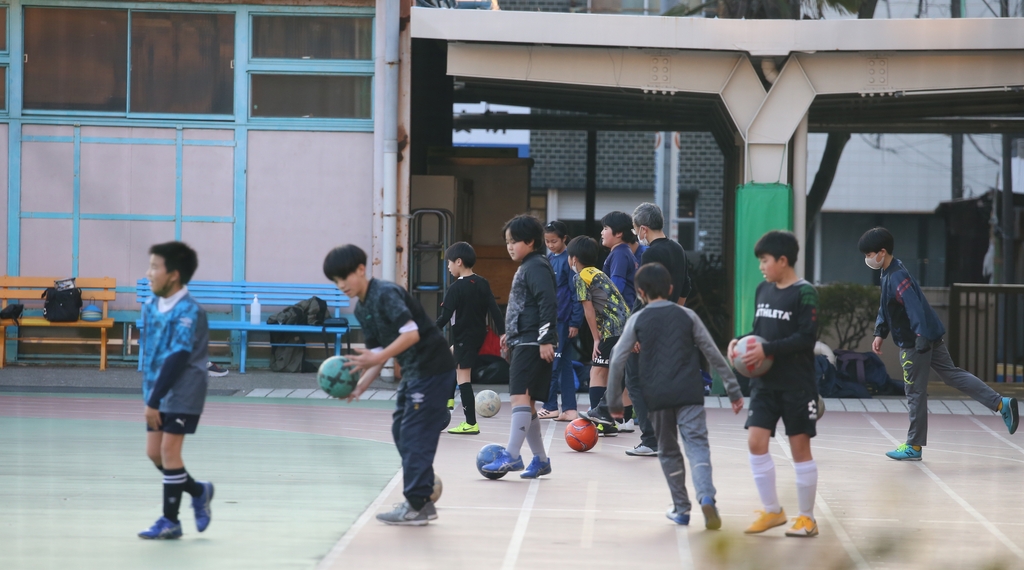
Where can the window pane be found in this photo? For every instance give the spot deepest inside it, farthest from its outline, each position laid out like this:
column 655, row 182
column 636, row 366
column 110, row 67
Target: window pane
column 3, row 88
column 687, row 235
column 322, row 96
column 303, row 37
column 76, row 59
column 3, row 28
column 181, row 63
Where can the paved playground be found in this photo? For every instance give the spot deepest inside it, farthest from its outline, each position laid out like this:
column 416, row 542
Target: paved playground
column 299, row 480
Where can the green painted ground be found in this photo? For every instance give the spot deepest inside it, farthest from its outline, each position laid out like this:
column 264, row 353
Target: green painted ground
column 74, row 493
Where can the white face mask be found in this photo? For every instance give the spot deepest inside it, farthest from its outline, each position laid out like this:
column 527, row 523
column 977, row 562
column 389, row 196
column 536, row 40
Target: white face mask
column 874, row 262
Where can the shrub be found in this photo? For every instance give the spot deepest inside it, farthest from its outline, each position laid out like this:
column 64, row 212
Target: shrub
column 848, row 312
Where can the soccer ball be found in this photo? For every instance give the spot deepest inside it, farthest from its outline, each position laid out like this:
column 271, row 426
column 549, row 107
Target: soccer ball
column 488, row 403
column 742, row 346
column 335, row 379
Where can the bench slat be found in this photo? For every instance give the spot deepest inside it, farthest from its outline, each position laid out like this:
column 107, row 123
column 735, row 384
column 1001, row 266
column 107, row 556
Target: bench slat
column 44, row 282
column 41, row 322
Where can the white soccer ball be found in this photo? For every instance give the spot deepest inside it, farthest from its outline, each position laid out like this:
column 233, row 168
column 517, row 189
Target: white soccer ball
column 487, row 403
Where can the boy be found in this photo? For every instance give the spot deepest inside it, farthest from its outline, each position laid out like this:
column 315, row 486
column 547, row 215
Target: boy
column 670, row 370
column 917, row 332
column 174, row 381
column 620, row 265
column 395, row 326
column 530, row 337
column 787, row 319
column 466, row 306
column 606, row 312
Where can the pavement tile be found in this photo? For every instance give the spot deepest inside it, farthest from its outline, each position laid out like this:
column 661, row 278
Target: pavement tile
column 383, row 395
column 280, row 393
column 894, row 405
column 937, row 407
column 259, row 393
column 873, row 405
column 854, row 405
column 978, row 408
column 834, row 405
column 712, row 402
column 958, row 407
column 301, row 393
column 318, row 395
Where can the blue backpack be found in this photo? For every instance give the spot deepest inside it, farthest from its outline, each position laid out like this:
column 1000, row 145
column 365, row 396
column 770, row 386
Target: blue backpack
column 832, row 385
column 867, row 369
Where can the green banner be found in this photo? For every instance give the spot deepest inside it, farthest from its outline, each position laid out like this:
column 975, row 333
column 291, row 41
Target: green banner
column 759, row 209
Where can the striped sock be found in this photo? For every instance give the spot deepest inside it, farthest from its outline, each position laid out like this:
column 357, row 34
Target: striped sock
column 174, row 484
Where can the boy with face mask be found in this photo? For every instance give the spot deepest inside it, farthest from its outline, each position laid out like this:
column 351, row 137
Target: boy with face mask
column 918, row 333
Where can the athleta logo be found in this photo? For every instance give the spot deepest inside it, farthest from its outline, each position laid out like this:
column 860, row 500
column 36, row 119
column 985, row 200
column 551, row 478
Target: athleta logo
column 765, row 310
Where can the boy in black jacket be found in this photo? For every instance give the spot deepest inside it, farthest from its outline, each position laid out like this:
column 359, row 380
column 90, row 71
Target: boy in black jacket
column 669, row 363
column 917, row 331
column 787, row 319
column 530, row 336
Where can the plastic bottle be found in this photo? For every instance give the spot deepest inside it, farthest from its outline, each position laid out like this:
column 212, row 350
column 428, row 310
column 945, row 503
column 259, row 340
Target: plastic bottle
column 254, row 311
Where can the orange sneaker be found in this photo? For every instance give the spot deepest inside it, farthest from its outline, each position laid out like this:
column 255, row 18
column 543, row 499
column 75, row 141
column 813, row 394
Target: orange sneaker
column 804, row 527
column 766, row 521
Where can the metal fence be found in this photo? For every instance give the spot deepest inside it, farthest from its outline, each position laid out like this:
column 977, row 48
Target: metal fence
column 986, row 330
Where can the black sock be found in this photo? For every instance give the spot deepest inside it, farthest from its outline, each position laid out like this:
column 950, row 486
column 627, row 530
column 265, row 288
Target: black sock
column 596, row 393
column 160, row 468
column 417, row 502
column 468, row 402
column 174, row 484
column 191, row 487
column 627, row 413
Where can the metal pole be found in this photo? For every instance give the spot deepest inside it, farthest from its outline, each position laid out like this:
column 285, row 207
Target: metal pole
column 800, row 192
column 1009, row 249
column 591, row 205
column 958, row 162
column 389, row 251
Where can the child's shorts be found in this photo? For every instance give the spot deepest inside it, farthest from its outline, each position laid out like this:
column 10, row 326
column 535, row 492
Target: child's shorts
column 529, row 373
column 604, row 356
column 177, row 423
column 798, row 410
column 465, row 353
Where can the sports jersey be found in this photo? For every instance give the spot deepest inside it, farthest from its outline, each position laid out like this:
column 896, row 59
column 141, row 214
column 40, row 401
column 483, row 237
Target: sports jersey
column 671, row 255
column 788, row 321
column 532, row 313
column 183, row 328
column 620, row 266
column 903, row 309
column 610, row 309
column 384, row 310
column 466, row 306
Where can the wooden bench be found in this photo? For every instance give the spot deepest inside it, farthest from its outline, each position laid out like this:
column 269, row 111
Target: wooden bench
column 239, row 294
column 30, row 290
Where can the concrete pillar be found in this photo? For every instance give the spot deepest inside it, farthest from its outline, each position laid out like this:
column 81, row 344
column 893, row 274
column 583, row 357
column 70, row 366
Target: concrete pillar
column 800, row 192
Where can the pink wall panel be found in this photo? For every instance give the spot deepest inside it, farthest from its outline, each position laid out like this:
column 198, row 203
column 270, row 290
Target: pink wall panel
column 47, row 177
column 45, row 248
column 142, row 235
column 106, row 174
column 152, row 173
column 207, row 181
column 107, row 132
column 209, row 134
column 3, row 198
column 307, row 192
column 103, row 249
column 212, row 243
column 47, row 130
column 147, row 133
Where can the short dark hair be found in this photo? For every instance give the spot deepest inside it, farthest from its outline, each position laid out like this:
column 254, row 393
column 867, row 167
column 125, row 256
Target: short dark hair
column 654, row 280
column 875, row 240
column 525, row 227
column 461, row 250
column 778, row 243
column 558, row 228
column 177, row 256
column 585, row 249
column 620, row 223
column 342, row 261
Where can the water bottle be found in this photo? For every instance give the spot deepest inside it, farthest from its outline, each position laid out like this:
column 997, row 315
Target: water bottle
column 254, row 311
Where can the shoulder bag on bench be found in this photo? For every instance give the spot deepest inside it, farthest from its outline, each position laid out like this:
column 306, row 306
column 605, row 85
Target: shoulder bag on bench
column 62, row 303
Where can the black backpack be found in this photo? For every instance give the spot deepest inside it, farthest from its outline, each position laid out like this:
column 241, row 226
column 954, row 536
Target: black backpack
column 13, row 312
column 62, row 306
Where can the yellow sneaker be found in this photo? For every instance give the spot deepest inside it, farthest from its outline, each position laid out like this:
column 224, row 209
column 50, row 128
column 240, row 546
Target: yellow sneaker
column 804, row 526
column 766, row 521
column 466, row 429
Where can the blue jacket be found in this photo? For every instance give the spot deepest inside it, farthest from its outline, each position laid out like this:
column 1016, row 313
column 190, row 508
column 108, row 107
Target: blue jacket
column 904, row 311
column 569, row 309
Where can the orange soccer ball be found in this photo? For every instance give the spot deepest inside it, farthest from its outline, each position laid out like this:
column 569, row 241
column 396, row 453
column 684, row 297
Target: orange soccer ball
column 581, row 434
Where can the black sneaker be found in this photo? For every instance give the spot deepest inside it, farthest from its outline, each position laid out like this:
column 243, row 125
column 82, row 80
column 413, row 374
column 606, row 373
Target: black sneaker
column 595, row 415
column 403, row 514
column 214, row 370
column 607, row 430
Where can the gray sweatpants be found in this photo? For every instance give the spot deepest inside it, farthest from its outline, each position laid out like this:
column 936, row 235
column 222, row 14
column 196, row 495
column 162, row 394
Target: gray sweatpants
column 917, row 367
column 691, row 423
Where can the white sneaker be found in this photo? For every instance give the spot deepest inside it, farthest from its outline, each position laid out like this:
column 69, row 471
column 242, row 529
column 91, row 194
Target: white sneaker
column 627, row 426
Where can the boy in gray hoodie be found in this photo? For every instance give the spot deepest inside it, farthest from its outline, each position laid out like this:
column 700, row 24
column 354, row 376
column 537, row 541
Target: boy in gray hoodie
column 670, row 336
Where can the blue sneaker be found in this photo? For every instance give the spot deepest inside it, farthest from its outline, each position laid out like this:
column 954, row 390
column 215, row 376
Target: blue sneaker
column 504, row 463
column 904, row 453
column 201, row 505
column 1009, row 412
column 677, row 517
column 712, row 520
column 537, row 468
column 163, row 528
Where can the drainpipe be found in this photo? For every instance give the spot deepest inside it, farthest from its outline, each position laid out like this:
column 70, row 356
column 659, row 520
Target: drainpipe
column 390, row 237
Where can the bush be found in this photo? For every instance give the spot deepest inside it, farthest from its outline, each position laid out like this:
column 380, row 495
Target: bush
column 848, row 312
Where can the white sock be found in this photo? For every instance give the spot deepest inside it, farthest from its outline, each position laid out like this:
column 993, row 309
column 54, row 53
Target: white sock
column 806, row 486
column 764, row 477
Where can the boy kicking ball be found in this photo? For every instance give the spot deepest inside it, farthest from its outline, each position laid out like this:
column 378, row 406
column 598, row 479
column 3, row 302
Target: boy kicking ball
column 787, row 319
column 174, row 381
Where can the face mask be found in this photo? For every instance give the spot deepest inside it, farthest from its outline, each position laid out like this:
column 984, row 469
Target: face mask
column 644, row 243
column 873, row 262
column 574, row 270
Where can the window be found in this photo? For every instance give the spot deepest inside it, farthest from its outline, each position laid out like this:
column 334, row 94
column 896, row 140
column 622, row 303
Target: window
column 686, row 221
column 3, row 88
column 3, row 28
column 306, row 37
column 182, row 63
column 309, row 96
column 76, row 59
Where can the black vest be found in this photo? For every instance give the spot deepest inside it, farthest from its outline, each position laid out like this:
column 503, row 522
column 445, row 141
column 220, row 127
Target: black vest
column 669, row 358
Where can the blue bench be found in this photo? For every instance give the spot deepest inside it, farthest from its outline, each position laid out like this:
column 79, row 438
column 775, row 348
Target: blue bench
column 239, row 294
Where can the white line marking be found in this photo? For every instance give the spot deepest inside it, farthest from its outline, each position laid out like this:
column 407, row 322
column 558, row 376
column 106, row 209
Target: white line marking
column 514, row 545
column 353, row 530
column 841, row 534
column 957, row 498
column 683, row 540
column 589, row 516
column 997, row 435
